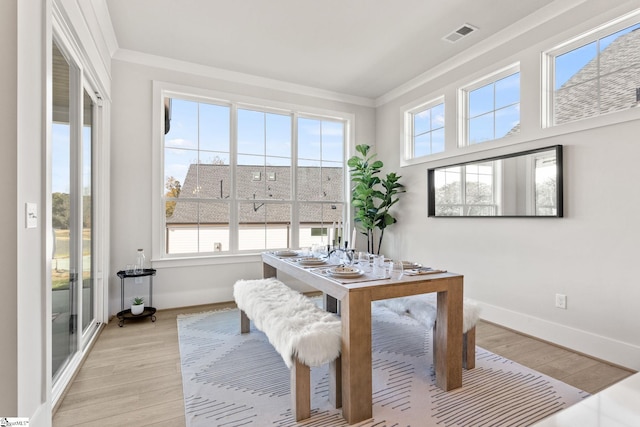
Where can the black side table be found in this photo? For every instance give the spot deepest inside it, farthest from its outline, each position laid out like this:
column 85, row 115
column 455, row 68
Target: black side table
column 148, row 311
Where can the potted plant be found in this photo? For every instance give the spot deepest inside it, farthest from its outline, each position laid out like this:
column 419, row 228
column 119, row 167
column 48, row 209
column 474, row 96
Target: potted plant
column 137, row 305
column 372, row 196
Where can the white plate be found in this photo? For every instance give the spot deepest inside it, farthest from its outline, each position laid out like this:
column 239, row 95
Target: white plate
column 408, row 265
column 311, row 261
column 345, row 272
column 346, row 276
column 286, row 253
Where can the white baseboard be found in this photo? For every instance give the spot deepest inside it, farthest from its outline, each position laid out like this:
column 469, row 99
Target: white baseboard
column 616, row 352
column 42, row 416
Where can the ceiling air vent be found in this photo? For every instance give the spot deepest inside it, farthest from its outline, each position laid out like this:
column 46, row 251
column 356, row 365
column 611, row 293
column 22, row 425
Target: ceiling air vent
column 456, row 35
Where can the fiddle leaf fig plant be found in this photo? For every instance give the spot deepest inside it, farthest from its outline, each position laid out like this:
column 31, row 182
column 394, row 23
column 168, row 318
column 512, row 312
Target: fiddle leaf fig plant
column 372, row 196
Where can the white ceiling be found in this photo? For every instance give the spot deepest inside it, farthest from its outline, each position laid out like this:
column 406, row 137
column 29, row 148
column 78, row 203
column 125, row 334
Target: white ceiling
column 363, row 48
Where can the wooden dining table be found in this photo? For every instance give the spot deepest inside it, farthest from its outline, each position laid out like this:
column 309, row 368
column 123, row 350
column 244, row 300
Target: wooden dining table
column 355, row 296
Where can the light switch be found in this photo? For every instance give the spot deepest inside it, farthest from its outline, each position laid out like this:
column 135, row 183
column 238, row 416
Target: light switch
column 31, row 215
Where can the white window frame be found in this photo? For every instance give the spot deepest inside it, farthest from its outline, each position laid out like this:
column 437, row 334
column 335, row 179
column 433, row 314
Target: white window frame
column 548, row 65
column 463, row 101
column 163, row 89
column 85, row 79
column 409, row 131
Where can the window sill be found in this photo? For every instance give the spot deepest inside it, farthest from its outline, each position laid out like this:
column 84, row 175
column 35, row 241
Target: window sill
column 524, row 140
column 196, row 261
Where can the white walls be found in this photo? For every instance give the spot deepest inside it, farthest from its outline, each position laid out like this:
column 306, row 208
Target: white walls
column 514, row 267
column 23, row 317
column 32, row 296
column 9, row 215
column 131, row 175
column 25, row 365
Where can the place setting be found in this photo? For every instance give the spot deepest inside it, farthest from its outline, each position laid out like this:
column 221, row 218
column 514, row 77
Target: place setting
column 357, row 267
column 419, row 271
column 345, row 272
column 304, row 256
column 410, row 265
column 311, row 261
column 286, row 253
column 411, row 268
column 314, row 256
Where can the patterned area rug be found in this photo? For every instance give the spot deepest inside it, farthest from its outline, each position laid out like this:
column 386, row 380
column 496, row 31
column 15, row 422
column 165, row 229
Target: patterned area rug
column 232, row 380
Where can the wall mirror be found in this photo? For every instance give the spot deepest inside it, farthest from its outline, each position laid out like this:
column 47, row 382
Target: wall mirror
column 524, row 184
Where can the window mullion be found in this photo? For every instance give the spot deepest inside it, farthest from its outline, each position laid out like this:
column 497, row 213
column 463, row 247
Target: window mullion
column 495, row 106
column 198, row 182
column 598, row 77
column 234, row 205
column 463, row 188
column 293, row 198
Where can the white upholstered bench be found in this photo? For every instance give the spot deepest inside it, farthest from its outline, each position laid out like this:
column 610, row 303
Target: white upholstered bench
column 303, row 334
column 423, row 309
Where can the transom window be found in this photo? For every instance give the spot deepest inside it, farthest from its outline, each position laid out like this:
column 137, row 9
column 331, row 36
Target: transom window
column 240, row 179
column 425, row 129
column 492, row 107
column 595, row 75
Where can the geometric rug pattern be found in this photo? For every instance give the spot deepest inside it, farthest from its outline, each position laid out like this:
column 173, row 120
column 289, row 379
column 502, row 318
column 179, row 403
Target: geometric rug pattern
column 232, row 379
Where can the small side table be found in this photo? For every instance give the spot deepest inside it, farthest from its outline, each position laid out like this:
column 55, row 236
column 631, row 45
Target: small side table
column 148, row 311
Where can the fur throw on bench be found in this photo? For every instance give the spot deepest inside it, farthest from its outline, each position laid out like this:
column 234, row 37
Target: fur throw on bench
column 423, row 308
column 295, row 326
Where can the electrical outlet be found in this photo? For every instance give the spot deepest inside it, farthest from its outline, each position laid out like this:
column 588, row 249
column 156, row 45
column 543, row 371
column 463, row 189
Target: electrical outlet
column 561, row 301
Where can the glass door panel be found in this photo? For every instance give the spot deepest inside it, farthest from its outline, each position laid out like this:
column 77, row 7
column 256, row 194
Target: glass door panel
column 62, row 265
column 87, row 296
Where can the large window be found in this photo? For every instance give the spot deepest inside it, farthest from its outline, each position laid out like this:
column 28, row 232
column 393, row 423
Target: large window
column 492, row 107
column 243, row 179
column 595, row 75
column 424, row 129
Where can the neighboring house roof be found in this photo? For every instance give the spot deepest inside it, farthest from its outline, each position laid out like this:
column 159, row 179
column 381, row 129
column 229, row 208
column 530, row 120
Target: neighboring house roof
column 263, row 184
column 619, row 65
column 618, row 69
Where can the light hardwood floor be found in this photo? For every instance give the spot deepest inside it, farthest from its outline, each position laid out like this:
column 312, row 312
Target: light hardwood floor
column 132, row 374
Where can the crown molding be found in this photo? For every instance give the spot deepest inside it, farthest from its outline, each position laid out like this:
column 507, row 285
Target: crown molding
column 552, row 10
column 141, row 58
column 103, row 21
column 79, row 24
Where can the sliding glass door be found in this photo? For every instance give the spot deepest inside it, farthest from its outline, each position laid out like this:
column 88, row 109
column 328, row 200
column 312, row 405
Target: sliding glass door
column 72, row 264
column 63, row 269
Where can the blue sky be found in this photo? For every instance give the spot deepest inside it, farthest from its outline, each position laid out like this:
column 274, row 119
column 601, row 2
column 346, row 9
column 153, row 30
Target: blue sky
column 571, row 62
column 60, row 153
column 263, row 138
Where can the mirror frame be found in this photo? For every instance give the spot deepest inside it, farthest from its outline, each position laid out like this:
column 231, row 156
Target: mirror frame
column 431, row 190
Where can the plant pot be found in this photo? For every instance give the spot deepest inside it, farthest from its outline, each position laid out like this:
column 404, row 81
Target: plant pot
column 137, row 309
